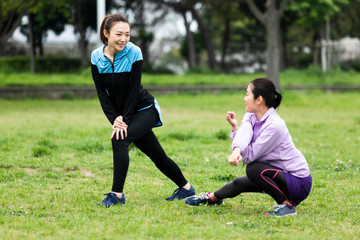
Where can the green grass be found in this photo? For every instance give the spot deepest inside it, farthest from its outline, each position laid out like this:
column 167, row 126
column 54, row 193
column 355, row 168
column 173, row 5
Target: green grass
column 309, row 76
column 56, row 162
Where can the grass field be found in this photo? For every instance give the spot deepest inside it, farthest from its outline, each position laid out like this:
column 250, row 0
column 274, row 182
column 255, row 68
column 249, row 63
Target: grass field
column 311, row 76
column 56, row 162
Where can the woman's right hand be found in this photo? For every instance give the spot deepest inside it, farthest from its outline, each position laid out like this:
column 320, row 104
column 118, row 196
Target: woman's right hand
column 119, row 123
column 231, row 118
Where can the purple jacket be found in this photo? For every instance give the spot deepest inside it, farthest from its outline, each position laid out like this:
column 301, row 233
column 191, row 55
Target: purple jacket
column 269, row 141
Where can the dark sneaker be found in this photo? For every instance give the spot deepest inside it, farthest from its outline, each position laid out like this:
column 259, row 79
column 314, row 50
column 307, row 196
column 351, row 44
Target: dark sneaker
column 282, row 210
column 181, row 193
column 202, row 199
column 112, row 199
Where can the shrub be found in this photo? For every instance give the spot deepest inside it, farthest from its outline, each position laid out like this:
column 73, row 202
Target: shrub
column 43, row 64
column 350, row 65
column 43, row 148
column 222, row 134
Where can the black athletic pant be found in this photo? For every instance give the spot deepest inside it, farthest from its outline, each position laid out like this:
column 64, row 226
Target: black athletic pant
column 260, row 177
column 139, row 132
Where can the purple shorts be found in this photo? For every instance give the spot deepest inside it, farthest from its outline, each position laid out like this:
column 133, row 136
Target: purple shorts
column 298, row 188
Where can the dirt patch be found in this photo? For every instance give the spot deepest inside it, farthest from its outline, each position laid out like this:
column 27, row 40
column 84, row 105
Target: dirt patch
column 30, row 170
column 87, row 173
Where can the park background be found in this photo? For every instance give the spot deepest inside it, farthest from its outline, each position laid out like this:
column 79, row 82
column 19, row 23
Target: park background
column 55, row 152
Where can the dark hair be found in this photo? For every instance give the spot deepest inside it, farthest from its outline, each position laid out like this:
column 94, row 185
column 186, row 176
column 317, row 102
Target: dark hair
column 108, row 22
column 265, row 87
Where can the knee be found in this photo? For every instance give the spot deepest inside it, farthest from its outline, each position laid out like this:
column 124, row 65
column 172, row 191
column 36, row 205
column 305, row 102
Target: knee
column 120, row 145
column 252, row 171
column 237, row 182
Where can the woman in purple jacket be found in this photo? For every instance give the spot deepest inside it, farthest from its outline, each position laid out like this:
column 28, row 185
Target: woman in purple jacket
column 274, row 165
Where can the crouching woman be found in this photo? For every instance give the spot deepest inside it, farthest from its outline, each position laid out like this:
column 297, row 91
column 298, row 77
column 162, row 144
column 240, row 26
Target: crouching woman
column 273, row 164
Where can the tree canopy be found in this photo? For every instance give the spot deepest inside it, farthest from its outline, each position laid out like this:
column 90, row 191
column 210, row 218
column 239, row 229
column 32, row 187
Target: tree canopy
column 224, row 29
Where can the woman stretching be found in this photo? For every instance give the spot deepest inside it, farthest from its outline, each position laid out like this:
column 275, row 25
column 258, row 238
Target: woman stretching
column 274, row 165
column 132, row 111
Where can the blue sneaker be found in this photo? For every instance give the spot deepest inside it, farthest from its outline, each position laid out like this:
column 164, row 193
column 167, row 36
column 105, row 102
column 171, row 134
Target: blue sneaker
column 202, row 199
column 282, row 210
column 181, row 193
column 112, row 199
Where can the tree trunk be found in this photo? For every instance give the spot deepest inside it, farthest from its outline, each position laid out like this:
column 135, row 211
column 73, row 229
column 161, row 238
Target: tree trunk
column 225, row 44
column 206, row 38
column 83, row 49
column 39, row 44
column 328, row 44
column 325, row 47
column 190, row 43
column 323, row 43
column 271, row 21
column 140, row 19
column 41, row 48
column 82, row 42
column 32, row 44
column 273, row 49
column 316, row 49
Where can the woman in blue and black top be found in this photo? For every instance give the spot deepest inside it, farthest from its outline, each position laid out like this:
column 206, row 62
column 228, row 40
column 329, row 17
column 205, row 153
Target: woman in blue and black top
column 116, row 70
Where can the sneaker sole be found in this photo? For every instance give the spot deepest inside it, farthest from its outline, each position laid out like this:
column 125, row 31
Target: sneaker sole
column 287, row 215
column 201, row 204
column 170, row 200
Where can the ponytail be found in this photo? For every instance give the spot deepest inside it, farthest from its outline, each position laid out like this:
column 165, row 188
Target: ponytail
column 108, row 22
column 265, row 87
column 102, row 28
column 278, row 98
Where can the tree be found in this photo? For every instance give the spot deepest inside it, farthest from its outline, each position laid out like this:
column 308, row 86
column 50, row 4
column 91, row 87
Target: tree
column 182, row 9
column 219, row 17
column 83, row 16
column 48, row 15
column 195, row 7
column 232, row 26
column 142, row 25
column 190, row 42
column 316, row 15
column 270, row 18
column 346, row 21
column 11, row 13
column 206, row 35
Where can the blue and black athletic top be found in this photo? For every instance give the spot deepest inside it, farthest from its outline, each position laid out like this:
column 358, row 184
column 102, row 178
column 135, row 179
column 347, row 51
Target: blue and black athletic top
column 119, row 85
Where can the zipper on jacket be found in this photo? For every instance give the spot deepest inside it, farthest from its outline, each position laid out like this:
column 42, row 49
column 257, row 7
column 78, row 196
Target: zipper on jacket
column 112, row 64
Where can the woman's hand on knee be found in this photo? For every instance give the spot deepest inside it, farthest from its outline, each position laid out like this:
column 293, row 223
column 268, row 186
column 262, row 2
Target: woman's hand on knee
column 119, row 131
column 119, row 128
column 119, row 123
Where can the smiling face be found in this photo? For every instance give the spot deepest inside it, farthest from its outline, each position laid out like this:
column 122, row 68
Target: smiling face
column 250, row 102
column 118, row 36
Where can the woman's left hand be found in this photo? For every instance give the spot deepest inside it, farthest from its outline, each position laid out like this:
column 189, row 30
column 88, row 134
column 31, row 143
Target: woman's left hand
column 235, row 157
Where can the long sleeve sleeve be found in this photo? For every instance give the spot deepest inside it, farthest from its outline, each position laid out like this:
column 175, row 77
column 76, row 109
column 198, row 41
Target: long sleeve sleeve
column 243, row 135
column 104, row 98
column 133, row 88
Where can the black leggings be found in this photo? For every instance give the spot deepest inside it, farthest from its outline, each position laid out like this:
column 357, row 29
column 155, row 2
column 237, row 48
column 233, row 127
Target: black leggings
column 260, row 177
column 139, row 132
